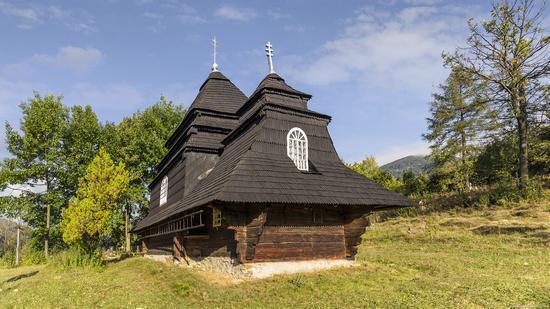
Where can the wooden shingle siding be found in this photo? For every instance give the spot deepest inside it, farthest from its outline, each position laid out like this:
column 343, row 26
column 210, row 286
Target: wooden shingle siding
column 254, row 168
column 230, row 154
column 175, row 187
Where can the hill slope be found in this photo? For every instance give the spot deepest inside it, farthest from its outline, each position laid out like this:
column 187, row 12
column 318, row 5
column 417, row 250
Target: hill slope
column 416, row 164
column 464, row 259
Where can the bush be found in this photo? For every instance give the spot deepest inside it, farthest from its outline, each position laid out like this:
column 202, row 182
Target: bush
column 7, row 260
column 31, row 256
column 75, row 257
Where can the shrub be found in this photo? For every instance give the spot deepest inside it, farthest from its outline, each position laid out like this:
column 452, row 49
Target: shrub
column 75, row 257
column 31, row 256
column 7, row 260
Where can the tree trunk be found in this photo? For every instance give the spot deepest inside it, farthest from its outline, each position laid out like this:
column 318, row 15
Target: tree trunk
column 46, row 241
column 523, row 169
column 17, row 245
column 523, row 159
column 127, row 227
column 466, row 179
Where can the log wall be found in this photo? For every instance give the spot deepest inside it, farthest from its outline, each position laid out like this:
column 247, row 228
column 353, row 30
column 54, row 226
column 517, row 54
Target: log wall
column 288, row 243
column 270, row 233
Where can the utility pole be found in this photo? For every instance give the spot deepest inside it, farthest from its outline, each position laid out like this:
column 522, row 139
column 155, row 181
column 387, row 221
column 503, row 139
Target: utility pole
column 17, row 245
column 127, row 227
column 46, row 241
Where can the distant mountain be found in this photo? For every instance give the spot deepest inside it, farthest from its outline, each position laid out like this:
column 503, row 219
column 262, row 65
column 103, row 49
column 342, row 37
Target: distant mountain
column 416, row 164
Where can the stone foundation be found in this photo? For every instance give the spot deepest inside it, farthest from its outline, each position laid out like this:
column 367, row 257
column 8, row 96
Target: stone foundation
column 268, row 269
column 237, row 270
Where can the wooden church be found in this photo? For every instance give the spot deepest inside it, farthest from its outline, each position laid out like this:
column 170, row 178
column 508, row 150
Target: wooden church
column 257, row 179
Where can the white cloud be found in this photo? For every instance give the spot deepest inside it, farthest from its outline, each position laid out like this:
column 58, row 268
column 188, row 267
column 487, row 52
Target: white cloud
column 31, row 16
column 27, row 13
column 403, row 46
column 81, row 22
column 76, row 59
column 187, row 14
column 233, row 13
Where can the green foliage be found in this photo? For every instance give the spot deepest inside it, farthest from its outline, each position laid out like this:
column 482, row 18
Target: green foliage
column 7, row 260
column 456, row 121
column 80, row 145
column 509, row 53
column 31, row 256
column 48, row 155
column 497, row 162
column 53, row 147
column 98, row 198
column 75, row 257
column 540, row 152
column 370, row 169
column 415, row 185
column 138, row 141
column 35, row 167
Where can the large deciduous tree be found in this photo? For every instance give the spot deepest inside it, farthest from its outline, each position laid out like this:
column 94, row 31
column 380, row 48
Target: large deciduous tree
column 81, row 142
column 509, row 51
column 138, row 141
column 35, row 167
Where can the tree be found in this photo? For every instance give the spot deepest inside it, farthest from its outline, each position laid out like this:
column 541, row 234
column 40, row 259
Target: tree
column 81, row 141
column 415, row 185
column 509, row 52
column 370, row 169
column 35, row 167
column 497, row 161
column 455, row 125
column 99, row 197
column 139, row 142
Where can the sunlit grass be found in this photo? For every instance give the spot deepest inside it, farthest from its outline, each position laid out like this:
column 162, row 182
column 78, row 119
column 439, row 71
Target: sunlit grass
column 476, row 258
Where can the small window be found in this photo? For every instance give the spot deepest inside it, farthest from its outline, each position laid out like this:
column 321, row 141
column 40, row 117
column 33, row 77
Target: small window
column 216, row 217
column 164, row 190
column 297, row 148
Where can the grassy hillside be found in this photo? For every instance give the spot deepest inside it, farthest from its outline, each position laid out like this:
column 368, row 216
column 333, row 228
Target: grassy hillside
column 482, row 258
column 416, row 164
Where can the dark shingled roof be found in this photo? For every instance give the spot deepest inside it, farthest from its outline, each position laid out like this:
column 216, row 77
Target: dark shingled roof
column 217, row 94
column 254, row 167
column 275, row 82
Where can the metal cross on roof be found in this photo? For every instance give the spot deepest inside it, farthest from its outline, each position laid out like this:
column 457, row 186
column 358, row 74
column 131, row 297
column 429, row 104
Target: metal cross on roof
column 214, row 65
column 269, row 53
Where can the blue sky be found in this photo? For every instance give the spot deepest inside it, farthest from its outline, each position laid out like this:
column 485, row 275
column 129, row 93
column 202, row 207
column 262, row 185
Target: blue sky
column 371, row 65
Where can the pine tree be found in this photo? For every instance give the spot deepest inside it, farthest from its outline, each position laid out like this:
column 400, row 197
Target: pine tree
column 455, row 125
column 509, row 52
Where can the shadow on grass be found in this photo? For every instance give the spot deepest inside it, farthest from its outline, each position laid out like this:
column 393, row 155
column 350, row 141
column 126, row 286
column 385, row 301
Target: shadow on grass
column 119, row 257
column 487, row 229
column 22, row 276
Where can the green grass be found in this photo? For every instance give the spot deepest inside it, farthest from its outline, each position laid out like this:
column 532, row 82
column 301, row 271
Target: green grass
column 466, row 259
